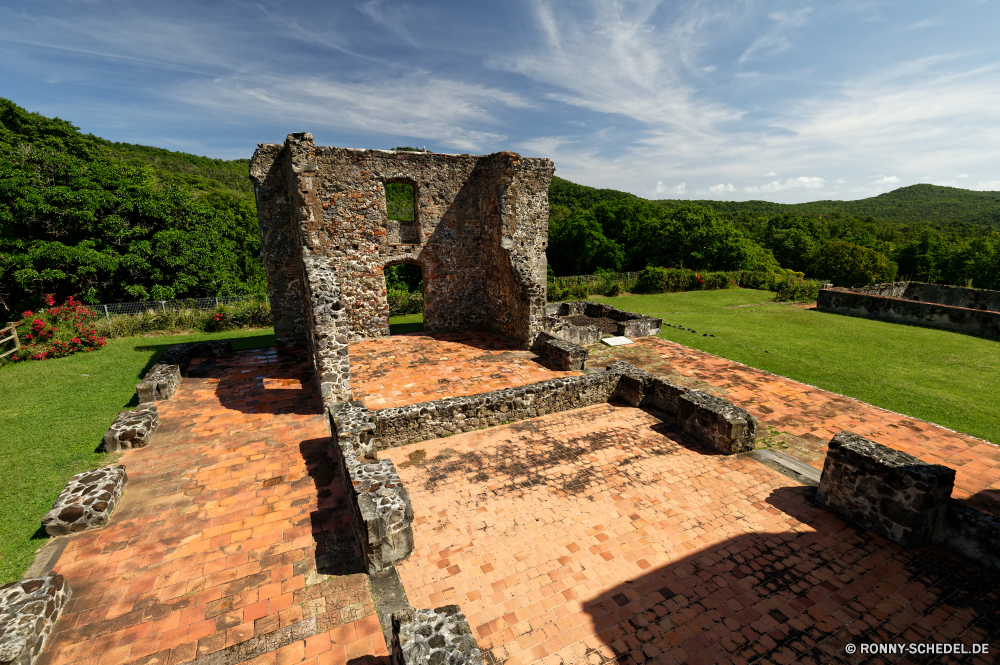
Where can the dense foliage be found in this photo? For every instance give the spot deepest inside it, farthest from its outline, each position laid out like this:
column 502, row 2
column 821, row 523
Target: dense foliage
column 593, row 229
column 106, row 221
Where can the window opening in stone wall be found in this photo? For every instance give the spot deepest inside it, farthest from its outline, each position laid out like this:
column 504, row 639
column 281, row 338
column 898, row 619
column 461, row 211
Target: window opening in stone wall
column 400, row 204
column 404, row 285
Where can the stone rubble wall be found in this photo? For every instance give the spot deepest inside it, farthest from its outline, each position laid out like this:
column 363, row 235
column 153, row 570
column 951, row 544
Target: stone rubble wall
column 132, row 429
column 29, row 610
column 905, row 500
column 380, row 505
column 441, row 636
column 895, row 309
column 159, row 383
column 630, row 324
column 725, row 427
column 566, row 355
column 556, row 326
column 938, row 294
column 399, row 426
column 87, row 501
column 479, row 236
column 887, row 491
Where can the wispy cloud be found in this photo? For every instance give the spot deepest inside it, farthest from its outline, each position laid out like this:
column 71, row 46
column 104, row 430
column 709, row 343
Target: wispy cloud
column 807, row 182
column 886, row 180
column 777, row 38
column 417, row 105
column 670, row 190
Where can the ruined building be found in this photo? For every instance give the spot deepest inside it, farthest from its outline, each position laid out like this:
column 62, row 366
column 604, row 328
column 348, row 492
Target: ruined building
column 479, row 234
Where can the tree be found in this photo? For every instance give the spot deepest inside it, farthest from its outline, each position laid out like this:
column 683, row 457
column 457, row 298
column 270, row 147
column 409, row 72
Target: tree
column 847, row 264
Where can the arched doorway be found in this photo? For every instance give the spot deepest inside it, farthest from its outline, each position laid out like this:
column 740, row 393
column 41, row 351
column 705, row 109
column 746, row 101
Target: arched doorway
column 404, row 285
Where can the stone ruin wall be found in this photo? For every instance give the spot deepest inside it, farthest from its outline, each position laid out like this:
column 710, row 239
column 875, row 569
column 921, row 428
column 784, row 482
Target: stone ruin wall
column 479, row 235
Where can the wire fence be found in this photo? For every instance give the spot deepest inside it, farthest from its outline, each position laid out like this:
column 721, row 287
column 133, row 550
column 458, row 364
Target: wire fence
column 200, row 304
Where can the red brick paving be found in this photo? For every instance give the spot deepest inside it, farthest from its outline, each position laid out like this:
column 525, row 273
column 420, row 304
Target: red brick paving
column 218, row 532
column 417, row 367
column 602, row 533
column 812, row 415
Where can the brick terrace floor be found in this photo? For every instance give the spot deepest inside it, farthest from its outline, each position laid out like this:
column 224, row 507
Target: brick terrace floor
column 417, row 367
column 224, row 519
column 603, row 534
column 811, row 416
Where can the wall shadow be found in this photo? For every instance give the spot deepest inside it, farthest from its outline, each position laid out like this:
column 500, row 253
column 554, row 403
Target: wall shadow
column 337, row 548
column 797, row 597
column 262, row 381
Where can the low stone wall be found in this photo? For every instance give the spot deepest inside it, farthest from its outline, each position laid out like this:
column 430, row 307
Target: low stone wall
column 630, row 324
column 87, row 502
column 558, row 327
column 714, row 422
column 887, row 491
column 431, row 420
column 898, row 310
column 435, row 636
column 724, row 427
column 28, row 611
column 161, row 382
column 132, row 429
column 567, row 355
column 380, row 505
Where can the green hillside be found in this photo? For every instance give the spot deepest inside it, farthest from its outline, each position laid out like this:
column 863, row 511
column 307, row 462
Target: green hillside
column 916, row 204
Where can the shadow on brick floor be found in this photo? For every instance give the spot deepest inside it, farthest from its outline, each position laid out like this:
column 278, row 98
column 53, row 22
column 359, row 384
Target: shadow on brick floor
column 799, row 597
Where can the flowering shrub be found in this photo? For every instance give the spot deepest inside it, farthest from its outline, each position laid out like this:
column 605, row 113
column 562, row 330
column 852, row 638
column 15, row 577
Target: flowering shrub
column 49, row 336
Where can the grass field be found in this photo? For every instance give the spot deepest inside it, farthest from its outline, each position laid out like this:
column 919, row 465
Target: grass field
column 934, row 375
column 53, row 415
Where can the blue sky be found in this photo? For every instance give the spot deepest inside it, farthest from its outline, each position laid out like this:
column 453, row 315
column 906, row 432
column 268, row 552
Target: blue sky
column 781, row 101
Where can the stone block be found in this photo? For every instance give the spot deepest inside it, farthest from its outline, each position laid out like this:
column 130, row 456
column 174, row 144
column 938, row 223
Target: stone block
column 87, row 502
column 28, row 611
column 887, row 491
column 380, row 506
column 160, row 383
column 666, row 395
column 722, row 426
column 565, row 354
column 440, row 636
column 132, row 429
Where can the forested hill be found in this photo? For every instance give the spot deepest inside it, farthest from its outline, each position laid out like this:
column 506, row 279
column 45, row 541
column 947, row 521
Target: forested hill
column 914, row 204
column 106, row 221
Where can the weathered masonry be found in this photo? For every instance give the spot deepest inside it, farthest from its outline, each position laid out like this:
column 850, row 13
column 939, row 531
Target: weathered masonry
column 973, row 311
column 479, row 235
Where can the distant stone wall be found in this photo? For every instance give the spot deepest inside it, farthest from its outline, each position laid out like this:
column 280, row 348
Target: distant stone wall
column 939, row 294
column 858, row 303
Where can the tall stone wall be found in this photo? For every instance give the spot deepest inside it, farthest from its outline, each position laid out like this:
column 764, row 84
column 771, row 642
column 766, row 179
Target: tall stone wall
column 479, row 235
column 939, row 294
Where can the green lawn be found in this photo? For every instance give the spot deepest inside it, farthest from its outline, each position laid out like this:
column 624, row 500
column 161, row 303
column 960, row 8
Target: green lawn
column 405, row 323
column 52, row 419
column 934, row 375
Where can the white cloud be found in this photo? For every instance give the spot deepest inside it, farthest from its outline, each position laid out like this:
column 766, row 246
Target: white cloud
column 776, row 39
column 839, row 181
column 769, row 174
column 991, row 186
column 715, row 190
column 416, row 105
column 962, row 175
column 679, row 190
column 808, row 182
column 886, row 180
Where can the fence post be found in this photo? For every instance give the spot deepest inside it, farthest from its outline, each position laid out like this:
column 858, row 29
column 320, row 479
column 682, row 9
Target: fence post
column 163, row 306
column 268, row 301
column 106, row 315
